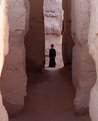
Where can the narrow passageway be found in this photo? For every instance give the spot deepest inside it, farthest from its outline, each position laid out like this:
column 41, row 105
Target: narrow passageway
column 50, row 97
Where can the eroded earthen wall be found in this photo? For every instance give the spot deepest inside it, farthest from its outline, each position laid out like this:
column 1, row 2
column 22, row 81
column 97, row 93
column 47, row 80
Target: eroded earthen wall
column 93, row 49
column 67, row 43
column 83, row 67
column 13, row 81
column 35, row 39
column 35, row 42
column 53, row 18
column 3, row 49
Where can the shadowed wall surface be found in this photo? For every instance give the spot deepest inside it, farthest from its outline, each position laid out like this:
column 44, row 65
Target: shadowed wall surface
column 35, row 41
column 67, row 42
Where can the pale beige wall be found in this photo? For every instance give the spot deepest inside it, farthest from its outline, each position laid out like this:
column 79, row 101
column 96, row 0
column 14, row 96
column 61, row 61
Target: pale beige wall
column 93, row 49
column 13, row 80
column 83, row 66
column 4, row 32
column 53, row 17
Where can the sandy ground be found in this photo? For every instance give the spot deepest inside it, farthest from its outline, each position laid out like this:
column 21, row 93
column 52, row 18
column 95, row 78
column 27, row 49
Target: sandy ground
column 50, row 97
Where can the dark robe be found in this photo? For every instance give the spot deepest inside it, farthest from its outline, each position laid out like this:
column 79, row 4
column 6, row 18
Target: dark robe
column 52, row 55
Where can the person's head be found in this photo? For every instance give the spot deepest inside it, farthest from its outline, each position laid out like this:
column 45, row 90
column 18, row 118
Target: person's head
column 52, row 45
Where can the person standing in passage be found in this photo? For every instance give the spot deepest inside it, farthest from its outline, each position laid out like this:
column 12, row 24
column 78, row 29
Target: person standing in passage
column 52, row 55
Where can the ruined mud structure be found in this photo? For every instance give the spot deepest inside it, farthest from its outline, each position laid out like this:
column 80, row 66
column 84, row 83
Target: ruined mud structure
column 24, row 27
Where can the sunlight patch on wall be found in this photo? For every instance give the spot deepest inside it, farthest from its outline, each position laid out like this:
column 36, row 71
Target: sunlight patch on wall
column 53, row 21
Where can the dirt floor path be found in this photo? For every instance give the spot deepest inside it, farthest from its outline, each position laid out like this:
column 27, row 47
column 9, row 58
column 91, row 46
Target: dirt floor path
column 50, row 98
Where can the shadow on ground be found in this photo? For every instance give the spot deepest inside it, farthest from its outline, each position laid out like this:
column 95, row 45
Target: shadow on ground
column 50, row 97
